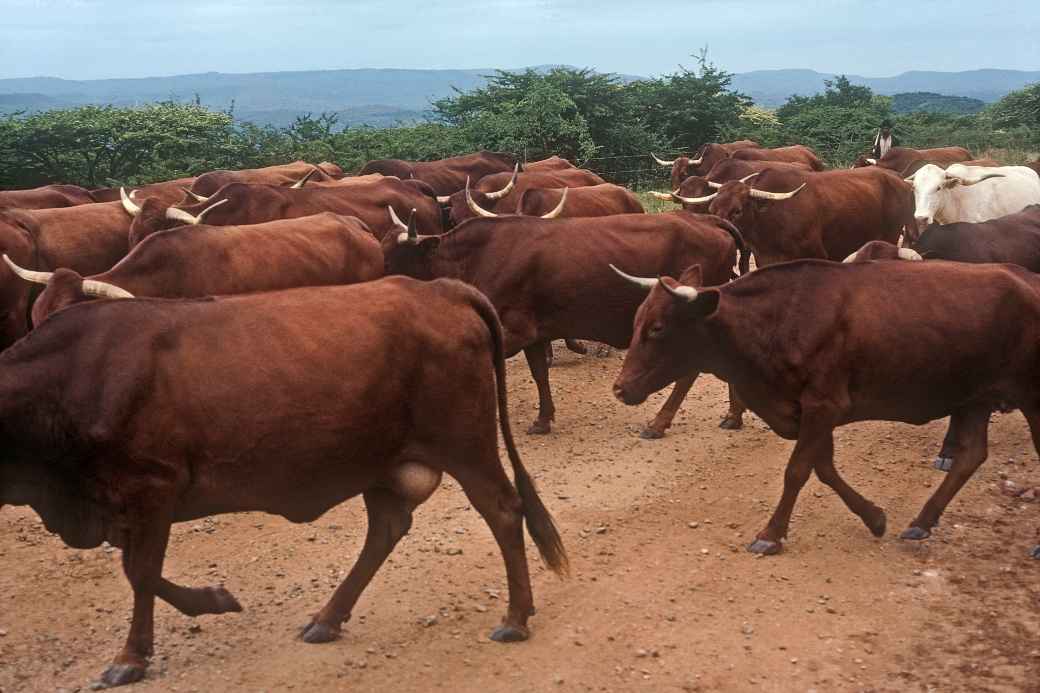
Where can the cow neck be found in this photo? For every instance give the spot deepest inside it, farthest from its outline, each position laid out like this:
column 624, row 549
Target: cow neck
column 458, row 247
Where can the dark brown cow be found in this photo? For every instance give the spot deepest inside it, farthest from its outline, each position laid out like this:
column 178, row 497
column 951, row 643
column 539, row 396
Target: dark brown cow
column 1014, row 239
column 787, row 214
column 553, row 163
column 796, row 154
column 501, row 192
column 899, row 158
column 169, row 192
column 120, row 418
column 546, row 277
column 723, row 172
column 590, row 201
column 815, row 345
column 87, row 238
column 284, row 174
column 242, row 203
column 707, row 157
column 445, row 176
column 191, row 262
column 46, row 197
column 883, row 250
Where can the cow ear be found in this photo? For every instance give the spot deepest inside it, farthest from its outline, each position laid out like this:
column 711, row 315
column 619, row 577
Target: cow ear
column 706, row 303
column 692, row 276
column 951, row 182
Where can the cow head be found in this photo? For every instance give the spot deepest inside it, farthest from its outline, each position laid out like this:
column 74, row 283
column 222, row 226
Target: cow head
column 667, row 339
column 406, row 251
column 466, row 203
column 933, row 186
column 739, row 202
column 150, row 218
column 64, row 287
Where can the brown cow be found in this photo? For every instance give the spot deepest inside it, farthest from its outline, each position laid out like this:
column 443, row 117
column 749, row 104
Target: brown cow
column 553, row 163
column 445, row 176
column 787, row 214
column 169, row 192
column 899, row 158
column 589, row 201
column 814, row 345
column 722, row 172
column 242, row 203
column 796, row 154
column 87, row 238
column 46, row 197
column 123, row 417
column 284, row 174
column 546, row 278
column 190, row 262
column 707, row 157
column 501, row 192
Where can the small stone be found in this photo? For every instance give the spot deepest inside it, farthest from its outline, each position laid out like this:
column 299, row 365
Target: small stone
column 3, row 633
column 601, row 530
column 794, row 660
column 453, row 551
column 480, row 607
column 705, row 552
column 747, row 629
column 642, row 653
column 195, row 628
column 429, row 621
column 557, row 679
column 693, row 525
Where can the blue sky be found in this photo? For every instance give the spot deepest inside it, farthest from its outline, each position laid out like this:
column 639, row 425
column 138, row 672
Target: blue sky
column 86, row 39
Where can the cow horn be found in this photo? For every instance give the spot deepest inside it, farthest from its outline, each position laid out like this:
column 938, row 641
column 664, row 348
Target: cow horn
column 444, row 199
column 28, row 275
column 713, row 184
column 662, row 196
column 909, row 254
column 129, row 205
column 411, row 234
column 559, row 208
column 694, row 200
column 872, row 162
column 198, row 197
column 697, row 161
column 396, row 219
column 641, row 282
column 850, row 258
column 92, row 287
column 474, row 207
column 683, row 293
column 506, row 190
column 976, row 181
column 176, row 214
column 745, row 179
column 766, row 195
column 303, row 181
column 662, row 162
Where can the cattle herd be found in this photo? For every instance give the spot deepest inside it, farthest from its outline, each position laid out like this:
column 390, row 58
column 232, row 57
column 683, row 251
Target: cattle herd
column 285, row 338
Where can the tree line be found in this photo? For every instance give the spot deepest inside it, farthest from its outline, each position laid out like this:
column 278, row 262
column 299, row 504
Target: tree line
column 597, row 120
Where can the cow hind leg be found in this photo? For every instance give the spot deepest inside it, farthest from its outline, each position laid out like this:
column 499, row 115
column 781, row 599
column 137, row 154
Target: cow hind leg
column 536, row 361
column 389, row 518
column 196, row 601
column 969, row 452
column 873, row 516
column 734, row 418
column 663, row 421
column 944, row 461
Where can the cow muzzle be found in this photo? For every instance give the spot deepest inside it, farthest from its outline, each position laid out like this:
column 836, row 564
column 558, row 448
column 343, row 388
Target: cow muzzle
column 625, row 396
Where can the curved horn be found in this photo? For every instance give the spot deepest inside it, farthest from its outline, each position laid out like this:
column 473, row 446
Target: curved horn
column 872, row 162
column 909, row 254
column 683, row 293
column 396, row 219
column 506, row 190
column 745, row 179
column 662, row 196
column 852, row 258
column 641, row 282
column 303, row 181
column 714, row 185
column 559, row 208
column 694, row 200
column 766, row 195
column 697, row 161
column 92, row 287
column 411, row 234
column 662, row 162
column 976, row 181
column 180, row 215
column 198, row 197
column 474, row 207
column 28, row 275
column 129, row 205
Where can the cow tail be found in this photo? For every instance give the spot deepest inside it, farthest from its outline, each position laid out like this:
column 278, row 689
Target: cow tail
column 743, row 256
column 540, row 523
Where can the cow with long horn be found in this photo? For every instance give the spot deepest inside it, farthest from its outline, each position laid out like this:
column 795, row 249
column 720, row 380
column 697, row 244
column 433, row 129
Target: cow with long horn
column 701, row 188
column 788, row 214
column 500, row 193
column 699, row 165
column 283, row 174
column 445, row 176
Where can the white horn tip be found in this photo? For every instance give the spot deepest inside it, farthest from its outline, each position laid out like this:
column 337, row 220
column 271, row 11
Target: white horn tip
column 910, row 254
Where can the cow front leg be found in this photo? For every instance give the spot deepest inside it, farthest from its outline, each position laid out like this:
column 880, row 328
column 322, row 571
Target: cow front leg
column 815, row 443
column 144, row 549
column 970, row 449
column 535, row 355
column 389, row 519
column 196, row 601
column 664, row 418
column 734, row 418
column 873, row 516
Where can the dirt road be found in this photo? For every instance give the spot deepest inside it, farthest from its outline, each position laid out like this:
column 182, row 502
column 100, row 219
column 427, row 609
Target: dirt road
column 663, row 597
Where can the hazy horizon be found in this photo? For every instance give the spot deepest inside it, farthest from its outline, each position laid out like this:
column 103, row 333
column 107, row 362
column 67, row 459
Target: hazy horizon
column 102, row 39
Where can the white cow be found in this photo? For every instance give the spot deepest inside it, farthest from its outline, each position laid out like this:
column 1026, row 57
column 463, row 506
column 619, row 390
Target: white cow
column 971, row 193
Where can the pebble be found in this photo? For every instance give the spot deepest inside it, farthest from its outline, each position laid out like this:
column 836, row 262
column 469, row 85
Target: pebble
column 3, row 633
column 429, row 621
column 705, row 552
column 454, row 551
column 694, row 525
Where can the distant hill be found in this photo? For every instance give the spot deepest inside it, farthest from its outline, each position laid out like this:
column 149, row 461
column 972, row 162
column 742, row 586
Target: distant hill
column 388, row 96
column 772, row 87
column 928, row 102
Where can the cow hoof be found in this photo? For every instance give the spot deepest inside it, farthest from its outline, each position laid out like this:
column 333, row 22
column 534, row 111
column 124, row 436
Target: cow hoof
column 223, row 601
column 651, row 433
column 1036, row 553
column 878, row 524
column 317, row 632
column 603, row 351
column 915, row 533
column 506, row 633
column 578, row 347
column 540, row 428
column 943, row 464
column 122, row 674
column 731, row 423
column 765, row 547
